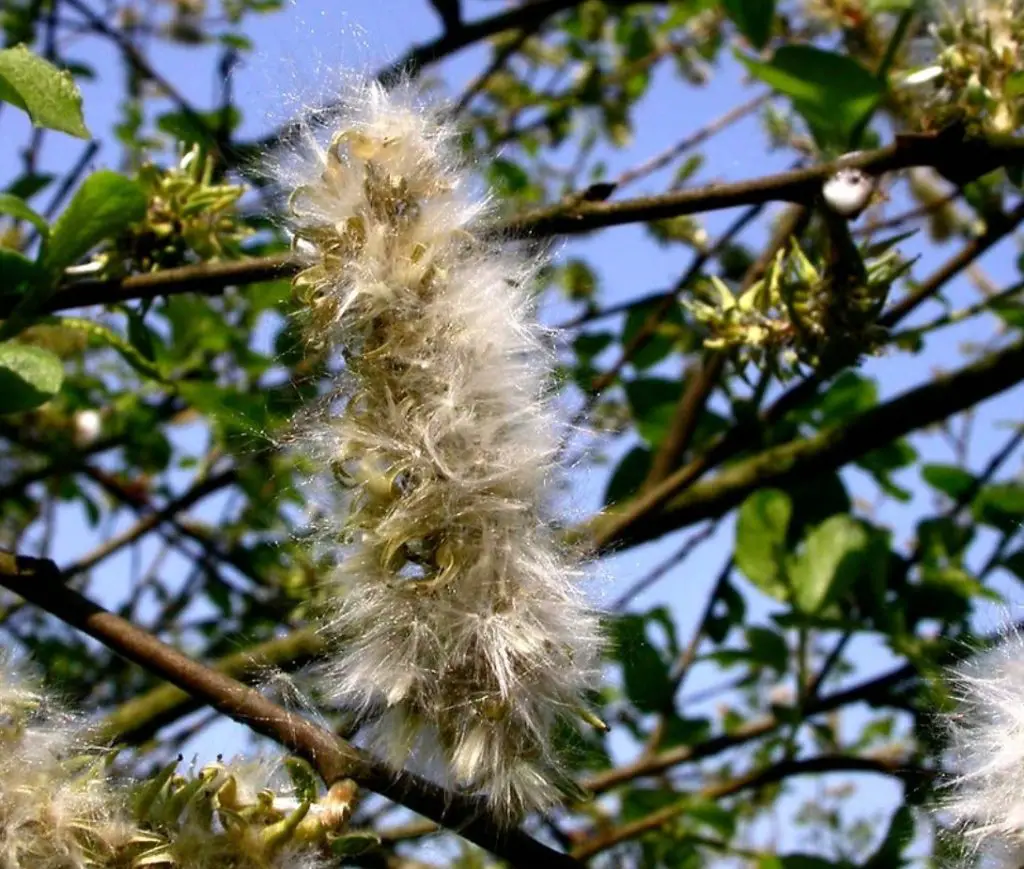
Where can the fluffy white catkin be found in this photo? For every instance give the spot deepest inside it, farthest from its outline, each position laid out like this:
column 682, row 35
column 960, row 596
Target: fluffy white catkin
column 463, row 632
column 54, row 813
column 59, row 810
column 986, row 793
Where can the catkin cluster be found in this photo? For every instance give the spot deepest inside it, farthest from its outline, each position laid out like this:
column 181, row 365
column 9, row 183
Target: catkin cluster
column 55, row 813
column 60, row 810
column 463, row 633
column 986, row 793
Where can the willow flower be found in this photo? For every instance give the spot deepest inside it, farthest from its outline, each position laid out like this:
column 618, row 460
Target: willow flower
column 986, row 793
column 60, row 810
column 463, row 635
column 57, row 810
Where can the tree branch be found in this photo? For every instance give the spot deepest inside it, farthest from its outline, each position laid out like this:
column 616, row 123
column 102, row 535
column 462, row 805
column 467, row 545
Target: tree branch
column 139, row 719
column 882, row 764
column 191, row 496
column 948, row 152
column 871, row 691
column 642, row 519
column 40, row 582
column 209, row 279
column 528, row 16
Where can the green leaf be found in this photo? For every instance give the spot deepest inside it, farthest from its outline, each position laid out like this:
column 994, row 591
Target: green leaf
column 848, row 397
column 669, row 331
column 354, row 843
column 948, row 479
column 1013, row 87
column 797, row 861
column 631, row 472
column 49, row 95
column 644, row 672
column 831, row 91
column 29, row 376
column 720, row 819
column 590, row 344
column 19, row 210
column 898, row 837
column 729, row 611
column 304, row 779
column 832, row 559
column 881, row 463
column 142, row 338
column 761, row 529
column 875, row 6
column 198, row 127
column 814, row 499
column 17, row 273
column 1001, row 505
column 753, row 18
column 768, row 648
column 508, row 178
column 955, row 582
column 28, row 185
column 653, row 402
column 100, row 334
column 942, row 540
column 685, row 731
column 105, row 205
column 1014, row 562
column 578, row 280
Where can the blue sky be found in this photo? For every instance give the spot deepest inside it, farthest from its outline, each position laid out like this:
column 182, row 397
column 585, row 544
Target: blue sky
column 304, row 50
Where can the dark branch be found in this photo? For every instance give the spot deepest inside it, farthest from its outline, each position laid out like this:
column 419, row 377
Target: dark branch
column 40, row 582
column 948, row 152
column 643, row 520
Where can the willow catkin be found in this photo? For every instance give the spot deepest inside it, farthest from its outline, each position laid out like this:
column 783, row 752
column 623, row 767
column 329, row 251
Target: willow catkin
column 462, row 630
column 59, row 809
column 985, row 795
column 56, row 812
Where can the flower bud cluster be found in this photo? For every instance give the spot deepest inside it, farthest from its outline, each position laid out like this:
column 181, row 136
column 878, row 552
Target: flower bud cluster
column 59, row 808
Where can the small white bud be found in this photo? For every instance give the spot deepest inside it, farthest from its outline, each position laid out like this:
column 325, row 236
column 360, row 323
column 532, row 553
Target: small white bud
column 90, row 268
column 304, row 247
column 923, row 75
column 88, row 426
column 848, row 192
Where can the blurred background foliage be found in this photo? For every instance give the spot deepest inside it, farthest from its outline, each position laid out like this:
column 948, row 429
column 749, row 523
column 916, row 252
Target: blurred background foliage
column 832, row 533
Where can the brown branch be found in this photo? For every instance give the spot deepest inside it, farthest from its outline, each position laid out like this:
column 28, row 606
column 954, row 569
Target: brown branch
column 692, row 140
column 949, row 152
column 998, row 228
column 525, row 17
column 911, row 214
column 872, row 690
column 880, row 763
column 209, row 279
column 650, row 578
column 685, row 659
column 643, row 519
column 942, row 151
column 187, row 499
column 138, row 720
column 39, row 581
